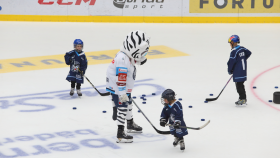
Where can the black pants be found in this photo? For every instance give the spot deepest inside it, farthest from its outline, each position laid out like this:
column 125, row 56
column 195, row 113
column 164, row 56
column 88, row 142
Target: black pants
column 73, row 85
column 241, row 90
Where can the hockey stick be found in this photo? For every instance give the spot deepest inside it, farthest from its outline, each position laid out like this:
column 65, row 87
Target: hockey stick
column 213, row 99
column 102, row 94
column 198, row 128
column 158, row 131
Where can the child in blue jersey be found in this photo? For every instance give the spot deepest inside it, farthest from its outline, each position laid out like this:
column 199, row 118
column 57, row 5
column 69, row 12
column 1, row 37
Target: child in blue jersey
column 173, row 112
column 237, row 65
column 77, row 61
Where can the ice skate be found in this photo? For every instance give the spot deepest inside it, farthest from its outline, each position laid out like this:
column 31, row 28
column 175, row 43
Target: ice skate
column 72, row 91
column 182, row 144
column 241, row 102
column 122, row 137
column 176, row 141
column 132, row 127
column 79, row 92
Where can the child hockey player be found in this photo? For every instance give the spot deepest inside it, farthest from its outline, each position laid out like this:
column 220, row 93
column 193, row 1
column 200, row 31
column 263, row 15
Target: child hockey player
column 173, row 112
column 121, row 75
column 77, row 61
column 237, row 65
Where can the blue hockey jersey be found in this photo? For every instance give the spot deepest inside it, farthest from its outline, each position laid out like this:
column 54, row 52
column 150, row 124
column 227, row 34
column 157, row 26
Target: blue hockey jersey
column 174, row 113
column 237, row 63
column 75, row 59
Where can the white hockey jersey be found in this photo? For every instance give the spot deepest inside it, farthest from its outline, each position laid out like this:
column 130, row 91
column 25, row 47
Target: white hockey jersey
column 121, row 75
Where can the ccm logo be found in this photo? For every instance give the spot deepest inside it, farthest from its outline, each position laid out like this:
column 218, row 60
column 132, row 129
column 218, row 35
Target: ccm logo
column 60, row 2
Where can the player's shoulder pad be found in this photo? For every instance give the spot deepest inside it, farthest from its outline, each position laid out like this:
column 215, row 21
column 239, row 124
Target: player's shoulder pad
column 83, row 53
column 122, row 58
column 178, row 105
column 71, row 51
column 243, row 47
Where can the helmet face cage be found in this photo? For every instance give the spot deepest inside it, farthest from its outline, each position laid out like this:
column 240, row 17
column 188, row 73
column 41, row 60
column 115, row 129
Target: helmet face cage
column 163, row 102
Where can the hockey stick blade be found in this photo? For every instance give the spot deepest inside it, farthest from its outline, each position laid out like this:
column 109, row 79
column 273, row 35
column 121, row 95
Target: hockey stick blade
column 198, row 128
column 213, row 99
column 162, row 132
column 102, row 94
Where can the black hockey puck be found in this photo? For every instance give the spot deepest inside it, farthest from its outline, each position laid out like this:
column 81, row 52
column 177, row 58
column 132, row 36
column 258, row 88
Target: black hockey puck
column 74, row 108
column 144, row 102
column 180, row 99
column 205, row 101
column 190, row 106
column 276, row 97
column 153, row 93
column 211, row 94
column 143, row 95
column 276, row 87
column 202, row 119
column 104, row 111
column 144, row 99
column 134, row 97
column 270, row 101
column 139, row 111
column 254, row 87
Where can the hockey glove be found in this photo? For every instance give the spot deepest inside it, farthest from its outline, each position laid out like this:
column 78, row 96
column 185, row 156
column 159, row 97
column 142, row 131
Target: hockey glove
column 72, row 59
column 163, row 122
column 123, row 98
column 177, row 125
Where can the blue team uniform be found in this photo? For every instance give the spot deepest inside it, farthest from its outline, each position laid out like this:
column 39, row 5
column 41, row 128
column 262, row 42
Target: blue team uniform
column 78, row 59
column 174, row 113
column 237, row 63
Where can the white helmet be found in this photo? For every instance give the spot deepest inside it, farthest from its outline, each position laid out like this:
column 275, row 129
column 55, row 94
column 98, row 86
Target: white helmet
column 136, row 45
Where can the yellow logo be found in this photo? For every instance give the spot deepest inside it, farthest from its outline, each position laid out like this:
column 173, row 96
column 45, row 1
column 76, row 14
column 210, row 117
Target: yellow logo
column 96, row 57
column 234, row 6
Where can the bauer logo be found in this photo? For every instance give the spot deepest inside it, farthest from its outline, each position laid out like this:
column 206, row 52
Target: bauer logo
column 138, row 4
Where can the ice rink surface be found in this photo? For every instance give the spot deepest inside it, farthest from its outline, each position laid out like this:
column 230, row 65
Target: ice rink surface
column 37, row 119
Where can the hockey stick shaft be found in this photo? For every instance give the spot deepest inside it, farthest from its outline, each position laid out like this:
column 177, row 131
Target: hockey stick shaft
column 212, row 99
column 160, row 132
column 197, row 128
column 225, row 85
column 102, row 94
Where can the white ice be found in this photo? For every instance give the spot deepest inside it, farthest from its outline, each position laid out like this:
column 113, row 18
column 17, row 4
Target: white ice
column 234, row 132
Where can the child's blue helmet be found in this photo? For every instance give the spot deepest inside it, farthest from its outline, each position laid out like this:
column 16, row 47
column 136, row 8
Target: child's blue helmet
column 78, row 42
column 234, row 38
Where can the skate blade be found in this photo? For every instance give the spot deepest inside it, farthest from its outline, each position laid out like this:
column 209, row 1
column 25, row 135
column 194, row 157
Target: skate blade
column 121, row 140
column 241, row 105
column 133, row 131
